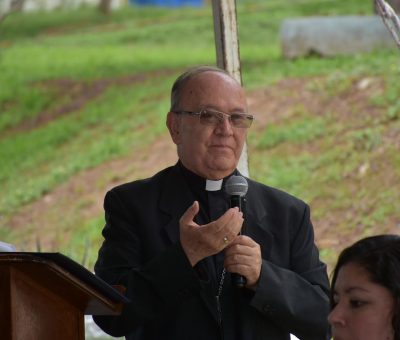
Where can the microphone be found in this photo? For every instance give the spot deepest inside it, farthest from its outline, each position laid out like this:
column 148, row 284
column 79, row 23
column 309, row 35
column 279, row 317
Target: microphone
column 236, row 187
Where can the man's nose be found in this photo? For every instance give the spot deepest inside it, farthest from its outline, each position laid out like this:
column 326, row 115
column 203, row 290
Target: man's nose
column 224, row 125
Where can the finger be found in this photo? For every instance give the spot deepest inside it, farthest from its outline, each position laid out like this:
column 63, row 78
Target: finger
column 238, row 268
column 249, row 267
column 252, row 274
column 243, row 242
column 241, row 260
column 226, row 219
column 245, row 258
column 228, row 225
column 244, row 269
column 230, row 231
column 190, row 213
column 240, row 253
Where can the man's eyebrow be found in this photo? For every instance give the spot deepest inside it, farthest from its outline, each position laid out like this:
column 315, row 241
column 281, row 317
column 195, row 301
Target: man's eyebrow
column 235, row 110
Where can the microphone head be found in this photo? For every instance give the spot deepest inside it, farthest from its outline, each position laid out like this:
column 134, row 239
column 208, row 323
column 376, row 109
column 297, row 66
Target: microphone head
column 236, row 186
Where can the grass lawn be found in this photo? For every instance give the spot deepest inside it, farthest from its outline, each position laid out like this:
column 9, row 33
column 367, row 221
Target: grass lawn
column 79, row 89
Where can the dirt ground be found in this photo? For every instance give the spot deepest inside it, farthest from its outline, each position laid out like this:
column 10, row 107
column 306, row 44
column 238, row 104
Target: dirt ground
column 82, row 196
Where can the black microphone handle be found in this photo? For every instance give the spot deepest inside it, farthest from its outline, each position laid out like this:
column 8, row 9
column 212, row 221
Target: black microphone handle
column 240, row 202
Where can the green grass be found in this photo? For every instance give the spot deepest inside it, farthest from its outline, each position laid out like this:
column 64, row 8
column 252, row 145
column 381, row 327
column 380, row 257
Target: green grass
column 48, row 155
column 302, row 130
column 86, row 48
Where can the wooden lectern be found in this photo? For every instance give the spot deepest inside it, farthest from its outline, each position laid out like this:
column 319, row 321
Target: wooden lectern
column 44, row 296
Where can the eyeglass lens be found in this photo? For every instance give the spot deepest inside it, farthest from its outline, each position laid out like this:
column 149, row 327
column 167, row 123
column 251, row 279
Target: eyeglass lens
column 211, row 117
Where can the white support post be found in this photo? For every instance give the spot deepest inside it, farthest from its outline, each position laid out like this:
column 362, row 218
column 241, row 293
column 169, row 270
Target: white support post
column 228, row 55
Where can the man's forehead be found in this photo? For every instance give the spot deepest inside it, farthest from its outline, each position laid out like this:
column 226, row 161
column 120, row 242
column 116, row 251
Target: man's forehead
column 214, row 90
column 209, row 83
column 208, row 76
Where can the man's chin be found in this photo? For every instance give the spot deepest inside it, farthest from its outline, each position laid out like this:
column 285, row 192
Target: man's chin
column 222, row 169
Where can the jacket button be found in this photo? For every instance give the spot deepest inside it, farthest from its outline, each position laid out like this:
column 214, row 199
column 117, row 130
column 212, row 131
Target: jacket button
column 268, row 309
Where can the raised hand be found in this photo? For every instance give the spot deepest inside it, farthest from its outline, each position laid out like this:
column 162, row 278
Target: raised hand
column 200, row 241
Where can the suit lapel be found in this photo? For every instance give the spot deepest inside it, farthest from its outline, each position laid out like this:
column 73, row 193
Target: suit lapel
column 257, row 226
column 174, row 200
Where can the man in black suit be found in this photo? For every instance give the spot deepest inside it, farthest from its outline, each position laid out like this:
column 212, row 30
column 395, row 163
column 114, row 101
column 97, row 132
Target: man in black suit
column 172, row 239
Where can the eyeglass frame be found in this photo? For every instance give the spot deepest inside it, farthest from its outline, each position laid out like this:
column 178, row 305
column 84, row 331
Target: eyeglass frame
column 249, row 117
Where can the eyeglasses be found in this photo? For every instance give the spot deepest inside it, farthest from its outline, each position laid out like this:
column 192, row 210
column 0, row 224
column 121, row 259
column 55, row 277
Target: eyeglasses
column 214, row 117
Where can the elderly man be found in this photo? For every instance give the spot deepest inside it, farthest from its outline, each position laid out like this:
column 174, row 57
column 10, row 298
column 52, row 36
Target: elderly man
column 174, row 242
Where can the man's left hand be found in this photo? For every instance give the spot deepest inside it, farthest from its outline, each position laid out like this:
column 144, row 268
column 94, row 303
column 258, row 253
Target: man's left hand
column 243, row 256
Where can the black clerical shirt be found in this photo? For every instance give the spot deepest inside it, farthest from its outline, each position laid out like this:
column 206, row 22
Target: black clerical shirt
column 213, row 204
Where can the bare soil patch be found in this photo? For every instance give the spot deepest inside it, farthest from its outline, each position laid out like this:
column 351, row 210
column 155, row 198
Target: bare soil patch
column 75, row 94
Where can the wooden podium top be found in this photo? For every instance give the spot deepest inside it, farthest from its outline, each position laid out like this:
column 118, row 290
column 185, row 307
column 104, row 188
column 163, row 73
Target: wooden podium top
column 67, row 279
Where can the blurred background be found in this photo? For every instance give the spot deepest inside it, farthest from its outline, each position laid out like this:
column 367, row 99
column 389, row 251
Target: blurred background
column 84, row 91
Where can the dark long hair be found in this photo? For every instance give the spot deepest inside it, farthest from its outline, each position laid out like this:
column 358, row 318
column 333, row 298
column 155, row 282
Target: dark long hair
column 380, row 257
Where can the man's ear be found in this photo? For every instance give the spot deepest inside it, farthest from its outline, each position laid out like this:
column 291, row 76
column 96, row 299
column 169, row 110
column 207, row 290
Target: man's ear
column 174, row 126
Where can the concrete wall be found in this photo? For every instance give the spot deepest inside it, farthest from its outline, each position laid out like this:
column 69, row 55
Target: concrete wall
column 330, row 36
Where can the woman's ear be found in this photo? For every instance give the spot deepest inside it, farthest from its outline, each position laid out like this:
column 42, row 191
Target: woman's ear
column 174, row 126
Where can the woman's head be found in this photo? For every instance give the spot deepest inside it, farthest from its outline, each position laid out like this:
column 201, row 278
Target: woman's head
column 365, row 296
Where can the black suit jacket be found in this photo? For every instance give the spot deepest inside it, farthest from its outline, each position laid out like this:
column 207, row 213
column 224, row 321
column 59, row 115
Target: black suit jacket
column 141, row 250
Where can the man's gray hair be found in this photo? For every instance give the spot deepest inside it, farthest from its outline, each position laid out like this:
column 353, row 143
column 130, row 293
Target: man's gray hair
column 180, row 82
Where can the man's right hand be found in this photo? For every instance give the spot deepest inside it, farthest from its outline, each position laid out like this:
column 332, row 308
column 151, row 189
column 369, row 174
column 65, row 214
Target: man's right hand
column 201, row 241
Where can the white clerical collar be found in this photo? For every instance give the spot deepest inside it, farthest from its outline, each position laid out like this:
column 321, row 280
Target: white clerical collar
column 213, row 185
